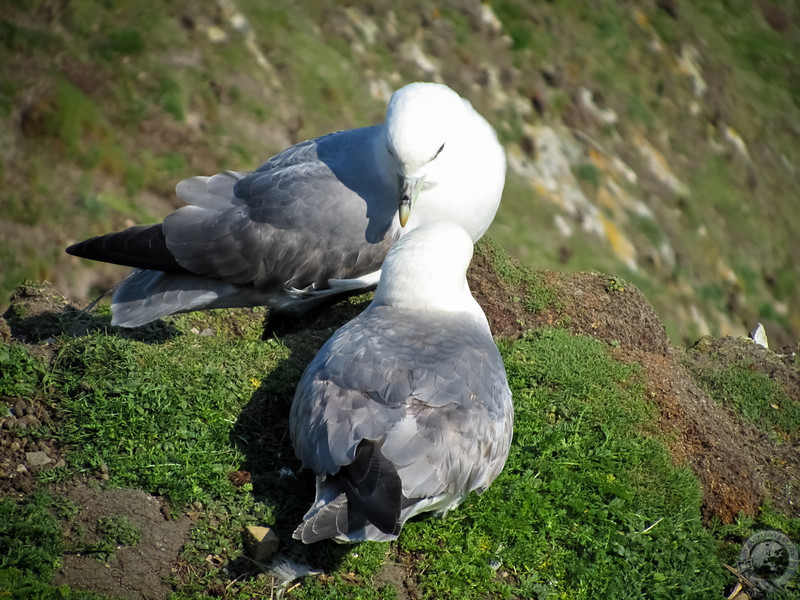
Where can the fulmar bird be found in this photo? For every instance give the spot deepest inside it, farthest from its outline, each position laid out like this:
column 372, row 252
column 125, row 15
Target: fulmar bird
column 406, row 408
column 315, row 220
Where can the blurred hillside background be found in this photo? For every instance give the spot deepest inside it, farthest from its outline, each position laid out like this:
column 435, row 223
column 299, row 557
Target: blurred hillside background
column 658, row 141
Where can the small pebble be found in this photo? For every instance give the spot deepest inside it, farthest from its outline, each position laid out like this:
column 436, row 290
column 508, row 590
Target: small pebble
column 37, row 459
column 27, row 421
column 24, row 484
column 261, row 542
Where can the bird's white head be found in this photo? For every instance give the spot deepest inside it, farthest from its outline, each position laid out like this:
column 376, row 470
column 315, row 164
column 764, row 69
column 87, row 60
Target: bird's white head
column 420, row 119
column 444, row 154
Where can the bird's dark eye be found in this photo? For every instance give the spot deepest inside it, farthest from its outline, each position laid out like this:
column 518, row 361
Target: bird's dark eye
column 439, row 151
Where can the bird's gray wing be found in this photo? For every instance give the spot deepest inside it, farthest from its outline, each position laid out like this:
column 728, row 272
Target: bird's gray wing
column 429, row 387
column 316, row 211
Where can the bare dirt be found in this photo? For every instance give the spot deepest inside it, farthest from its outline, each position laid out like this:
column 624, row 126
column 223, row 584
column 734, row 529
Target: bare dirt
column 136, row 571
column 738, row 466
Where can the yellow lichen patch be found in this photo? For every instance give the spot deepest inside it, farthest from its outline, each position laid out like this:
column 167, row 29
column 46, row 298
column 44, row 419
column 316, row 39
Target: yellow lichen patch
column 641, row 19
column 733, row 137
column 620, row 244
column 598, row 159
column 606, row 199
column 658, row 165
column 545, row 192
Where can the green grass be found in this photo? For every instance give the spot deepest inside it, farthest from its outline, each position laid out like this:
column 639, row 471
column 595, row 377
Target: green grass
column 32, row 543
column 156, row 419
column 115, row 532
column 588, row 174
column 744, row 527
column 17, row 584
column 122, row 42
column 757, row 397
column 30, row 534
column 589, row 505
column 20, row 373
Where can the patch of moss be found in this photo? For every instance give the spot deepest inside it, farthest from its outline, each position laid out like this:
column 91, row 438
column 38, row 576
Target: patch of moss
column 755, row 396
column 537, row 295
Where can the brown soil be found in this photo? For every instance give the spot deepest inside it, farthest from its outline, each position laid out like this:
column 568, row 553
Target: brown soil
column 707, row 437
column 134, row 572
column 738, row 466
column 21, row 456
column 398, row 570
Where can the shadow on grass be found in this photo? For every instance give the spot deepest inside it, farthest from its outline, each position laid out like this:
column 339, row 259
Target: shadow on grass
column 333, row 311
column 38, row 312
column 261, row 431
column 78, row 323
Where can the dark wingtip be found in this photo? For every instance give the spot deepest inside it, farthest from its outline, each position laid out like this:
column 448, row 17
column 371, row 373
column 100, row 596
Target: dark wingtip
column 140, row 247
column 74, row 249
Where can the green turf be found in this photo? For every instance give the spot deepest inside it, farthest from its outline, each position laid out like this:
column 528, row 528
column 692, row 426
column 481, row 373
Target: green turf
column 589, row 504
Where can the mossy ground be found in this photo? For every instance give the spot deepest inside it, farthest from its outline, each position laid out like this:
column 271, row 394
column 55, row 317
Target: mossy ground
column 193, row 410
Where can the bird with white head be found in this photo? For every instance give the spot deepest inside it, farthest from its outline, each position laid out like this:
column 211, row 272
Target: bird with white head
column 406, row 409
column 314, row 221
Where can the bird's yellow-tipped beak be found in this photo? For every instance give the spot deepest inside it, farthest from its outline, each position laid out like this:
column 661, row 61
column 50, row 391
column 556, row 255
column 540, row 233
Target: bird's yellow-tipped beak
column 408, row 191
column 404, row 212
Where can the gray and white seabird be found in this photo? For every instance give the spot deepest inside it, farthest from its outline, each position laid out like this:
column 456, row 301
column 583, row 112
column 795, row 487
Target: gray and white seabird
column 406, row 408
column 315, row 220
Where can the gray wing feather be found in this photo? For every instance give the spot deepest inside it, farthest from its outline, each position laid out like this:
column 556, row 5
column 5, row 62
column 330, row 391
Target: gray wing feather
column 445, row 421
column 208, row 192
column 316, row 211
column 326, row 523
column 149, row 295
